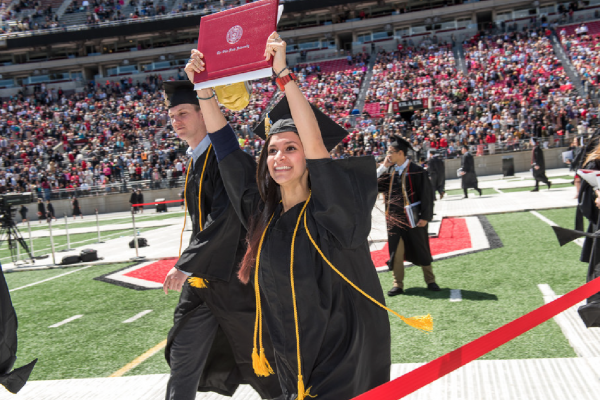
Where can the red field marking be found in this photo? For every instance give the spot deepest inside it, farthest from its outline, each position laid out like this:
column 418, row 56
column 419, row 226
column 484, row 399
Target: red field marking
column 454, row 235
column 155, row 272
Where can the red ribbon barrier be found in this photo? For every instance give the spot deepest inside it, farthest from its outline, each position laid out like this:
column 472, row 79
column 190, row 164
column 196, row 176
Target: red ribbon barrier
column 156, row 202
column 424, row 375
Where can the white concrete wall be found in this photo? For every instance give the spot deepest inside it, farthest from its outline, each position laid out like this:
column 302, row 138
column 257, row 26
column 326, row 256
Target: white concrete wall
column 105, row 204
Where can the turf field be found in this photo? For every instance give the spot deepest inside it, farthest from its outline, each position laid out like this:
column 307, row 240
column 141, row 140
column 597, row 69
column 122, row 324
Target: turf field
column 497, row 286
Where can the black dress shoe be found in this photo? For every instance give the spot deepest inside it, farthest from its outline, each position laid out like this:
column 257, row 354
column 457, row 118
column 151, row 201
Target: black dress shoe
column 433, row 287
column 442, row 195
column 549, row 185
column 479, row 190
column 395, row 291
column 536, row 190
column 465, row 197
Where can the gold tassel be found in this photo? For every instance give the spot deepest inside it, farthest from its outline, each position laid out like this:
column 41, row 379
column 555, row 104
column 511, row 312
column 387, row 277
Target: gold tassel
column 255, row 361
column 199, row 283
column 267, row 125
column 423, row 322
column 264, row 363
column 302, row 394
column 261, row 366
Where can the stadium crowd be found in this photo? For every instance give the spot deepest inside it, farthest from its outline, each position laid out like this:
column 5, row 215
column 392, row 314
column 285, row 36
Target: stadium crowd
column 515, row 88
column 113, row 133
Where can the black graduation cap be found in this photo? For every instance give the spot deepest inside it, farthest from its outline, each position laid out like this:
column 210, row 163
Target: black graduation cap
column 280, row 120
column 399, row 143
column 179, row 92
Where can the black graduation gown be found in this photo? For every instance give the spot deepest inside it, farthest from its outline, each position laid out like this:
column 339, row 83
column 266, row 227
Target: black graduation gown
column 344, row 337
column 537, row 159
column 15, row 380
column 41, row 211
column 76, row 209
column 214, row 254
column 469, row 179
column 416, row 240
column 51, row 211
column 590, row 251
column 437, row 174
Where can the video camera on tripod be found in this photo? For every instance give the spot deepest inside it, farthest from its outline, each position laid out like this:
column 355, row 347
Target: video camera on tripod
column 8, row 228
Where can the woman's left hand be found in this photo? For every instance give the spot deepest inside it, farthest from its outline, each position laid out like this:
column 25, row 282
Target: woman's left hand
column 276, row 48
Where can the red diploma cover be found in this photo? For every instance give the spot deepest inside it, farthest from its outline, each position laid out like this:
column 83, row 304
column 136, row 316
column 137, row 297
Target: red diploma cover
column 233, row 44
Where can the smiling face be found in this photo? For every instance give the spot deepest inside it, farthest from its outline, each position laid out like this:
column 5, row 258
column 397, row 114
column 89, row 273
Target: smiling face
column 286, row 160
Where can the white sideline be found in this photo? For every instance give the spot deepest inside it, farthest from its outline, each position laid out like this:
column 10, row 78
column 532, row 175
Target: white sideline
column 137, row 316
column 66, row 321
column 49, row 279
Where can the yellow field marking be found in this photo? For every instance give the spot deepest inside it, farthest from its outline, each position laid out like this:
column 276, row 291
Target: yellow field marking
column 140, row 359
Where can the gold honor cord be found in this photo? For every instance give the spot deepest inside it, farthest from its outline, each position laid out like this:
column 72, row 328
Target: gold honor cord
column 424, row 323
column 194, row 281
column 260, row 364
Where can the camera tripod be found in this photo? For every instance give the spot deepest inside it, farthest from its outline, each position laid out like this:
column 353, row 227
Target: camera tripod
column 11, row 234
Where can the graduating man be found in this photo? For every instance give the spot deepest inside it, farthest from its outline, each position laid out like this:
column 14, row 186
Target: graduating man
column 437, row 174
column 210, row 345
column 468, row 175
column 404, row 182
column 538, row 166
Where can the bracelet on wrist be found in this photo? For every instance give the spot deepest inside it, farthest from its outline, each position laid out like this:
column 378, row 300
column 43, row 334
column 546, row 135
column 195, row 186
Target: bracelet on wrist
column 277, row 75
column 206, row 98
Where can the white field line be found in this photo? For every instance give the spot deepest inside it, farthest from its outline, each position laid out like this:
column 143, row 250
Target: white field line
column 546, row 289
column 66, row 321
column 49, row 279
column 455, row 295
column 578, row 242
column 137, row 316
column 498, row 190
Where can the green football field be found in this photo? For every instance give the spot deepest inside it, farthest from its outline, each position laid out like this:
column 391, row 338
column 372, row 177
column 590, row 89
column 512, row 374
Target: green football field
column 497, row 286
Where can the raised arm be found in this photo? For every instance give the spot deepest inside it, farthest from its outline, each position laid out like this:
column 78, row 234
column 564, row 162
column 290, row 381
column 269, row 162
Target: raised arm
column 213, row 117
column 302, row 114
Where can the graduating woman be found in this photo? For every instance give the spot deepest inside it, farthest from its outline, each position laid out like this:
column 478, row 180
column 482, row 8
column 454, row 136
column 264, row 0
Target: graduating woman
column 308, row 256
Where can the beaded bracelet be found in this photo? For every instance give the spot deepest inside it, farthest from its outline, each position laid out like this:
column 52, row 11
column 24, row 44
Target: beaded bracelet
column 206, row 98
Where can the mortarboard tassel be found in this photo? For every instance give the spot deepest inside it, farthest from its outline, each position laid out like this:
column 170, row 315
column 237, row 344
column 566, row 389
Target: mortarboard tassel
column 197, row 282
column 267, row 125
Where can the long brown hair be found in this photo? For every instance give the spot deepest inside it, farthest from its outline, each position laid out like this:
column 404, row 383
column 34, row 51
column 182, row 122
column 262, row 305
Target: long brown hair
column 593, row 155
column 271, row 196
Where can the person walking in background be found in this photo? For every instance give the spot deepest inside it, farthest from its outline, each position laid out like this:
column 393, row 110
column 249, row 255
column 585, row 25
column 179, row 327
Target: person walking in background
column 140, row 200
column 41, row 211
column 403, row 182
column 50, row 214
column 23, row 211
column 538, row 166
column 76, row 209
column 437, row 174
column 133, row 200
column 468, row 175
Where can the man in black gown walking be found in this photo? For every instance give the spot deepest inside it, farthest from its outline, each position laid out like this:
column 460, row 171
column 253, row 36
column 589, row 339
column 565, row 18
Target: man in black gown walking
column 210, row 345
column 468, row 175
column 538, row 166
